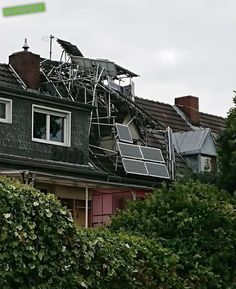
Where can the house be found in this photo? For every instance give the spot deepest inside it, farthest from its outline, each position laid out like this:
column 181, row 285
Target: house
column 73, row 127
column 62, row 130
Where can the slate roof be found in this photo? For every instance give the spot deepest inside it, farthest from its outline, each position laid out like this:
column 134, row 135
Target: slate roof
column 7, row 78
column 164, row 113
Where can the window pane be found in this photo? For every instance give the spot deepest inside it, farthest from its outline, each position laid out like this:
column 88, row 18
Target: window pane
column 57, row 128
column 2, row 110
column 40, row 125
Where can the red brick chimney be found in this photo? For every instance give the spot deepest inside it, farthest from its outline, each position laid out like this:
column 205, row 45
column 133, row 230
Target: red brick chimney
column 190, row 106
column 27, row 66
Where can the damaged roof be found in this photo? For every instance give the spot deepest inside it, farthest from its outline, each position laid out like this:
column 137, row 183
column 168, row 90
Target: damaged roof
column 86, row 80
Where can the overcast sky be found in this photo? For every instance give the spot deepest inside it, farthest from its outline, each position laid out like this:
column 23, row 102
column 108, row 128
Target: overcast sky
column 178, row 47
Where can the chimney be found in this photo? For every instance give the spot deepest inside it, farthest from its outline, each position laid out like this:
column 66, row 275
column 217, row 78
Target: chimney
column 190, row 107
column 27, row 66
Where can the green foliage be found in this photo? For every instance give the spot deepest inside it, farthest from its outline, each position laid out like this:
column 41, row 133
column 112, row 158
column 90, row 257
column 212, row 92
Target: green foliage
column 181, row 238
column 120, row 261
column 227, row 152
column 37, row 239
column 205, row 178
column 197, row 223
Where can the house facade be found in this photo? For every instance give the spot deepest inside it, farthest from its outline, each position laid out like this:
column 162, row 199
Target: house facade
column 71, row 128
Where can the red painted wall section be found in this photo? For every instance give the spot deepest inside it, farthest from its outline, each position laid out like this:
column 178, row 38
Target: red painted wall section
column 105, row 203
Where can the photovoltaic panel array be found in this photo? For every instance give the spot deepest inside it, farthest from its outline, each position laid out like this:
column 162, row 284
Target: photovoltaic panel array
column 129, row 150
column 134, row 167
column 152, row 154
column 157, row 170
column 124, row 133
column 140, row 160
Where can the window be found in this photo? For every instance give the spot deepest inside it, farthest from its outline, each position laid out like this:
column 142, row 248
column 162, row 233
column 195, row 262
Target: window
column 5, row 110
column 208, row 164
column 51, row 126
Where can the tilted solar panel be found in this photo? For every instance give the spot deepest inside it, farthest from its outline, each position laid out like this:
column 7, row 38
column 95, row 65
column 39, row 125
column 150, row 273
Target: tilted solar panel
column 124, row 133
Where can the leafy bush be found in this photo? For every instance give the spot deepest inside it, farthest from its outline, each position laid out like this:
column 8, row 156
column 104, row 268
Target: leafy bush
column 37, row 238
column 120, row 261
column 182, row 237
column 197, row 222
column 227, row 152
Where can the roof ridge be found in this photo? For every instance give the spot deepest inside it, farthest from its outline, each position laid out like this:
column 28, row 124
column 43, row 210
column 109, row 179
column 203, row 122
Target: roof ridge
column 212, row 115
column 151, row 100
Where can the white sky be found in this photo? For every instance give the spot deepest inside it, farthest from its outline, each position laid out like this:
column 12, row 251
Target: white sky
column 178, row 47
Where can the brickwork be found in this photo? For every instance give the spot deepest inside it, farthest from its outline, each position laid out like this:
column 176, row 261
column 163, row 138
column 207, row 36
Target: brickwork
column 26, row 64
column 190, row 106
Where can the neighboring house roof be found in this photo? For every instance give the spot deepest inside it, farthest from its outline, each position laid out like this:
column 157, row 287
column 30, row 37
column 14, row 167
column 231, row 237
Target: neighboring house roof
column 194, row 142
column 7, row 78
column 215, row 123
column 163, row 113
column 169, row 116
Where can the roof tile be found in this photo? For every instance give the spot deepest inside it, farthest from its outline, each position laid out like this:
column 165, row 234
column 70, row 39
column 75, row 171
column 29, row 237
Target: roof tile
column 164, row 113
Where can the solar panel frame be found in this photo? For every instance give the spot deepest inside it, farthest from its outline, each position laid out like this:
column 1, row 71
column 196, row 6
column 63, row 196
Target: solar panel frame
column 159, row 159
column 120, row 130
column 151, row 165
column 126, row 146
column 127, row 163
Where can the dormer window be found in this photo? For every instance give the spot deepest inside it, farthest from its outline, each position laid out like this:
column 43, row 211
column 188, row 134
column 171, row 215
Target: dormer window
column 52, row 126
column 5, row 110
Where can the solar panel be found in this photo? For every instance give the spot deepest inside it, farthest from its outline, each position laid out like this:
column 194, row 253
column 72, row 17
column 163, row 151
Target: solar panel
column 71, row 49
column 129, row 150
column 89, row 63
column 152, row 154
column 124, row 133
column 82, row 61
column 157, row 170
column 134, row 167
column 109, row 66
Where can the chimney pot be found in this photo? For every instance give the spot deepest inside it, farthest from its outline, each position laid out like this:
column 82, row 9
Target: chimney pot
column 25, row 46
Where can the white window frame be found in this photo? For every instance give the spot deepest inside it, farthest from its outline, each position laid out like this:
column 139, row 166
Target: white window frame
column 55, row 112
column 8, row 112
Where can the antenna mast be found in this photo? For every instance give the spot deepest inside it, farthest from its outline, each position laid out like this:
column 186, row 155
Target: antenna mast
column 50, row 49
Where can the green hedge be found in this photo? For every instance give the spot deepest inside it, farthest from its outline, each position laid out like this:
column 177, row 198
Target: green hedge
column 120, row 261
column 182, row 237
column 197, row 222
column 37, row 239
